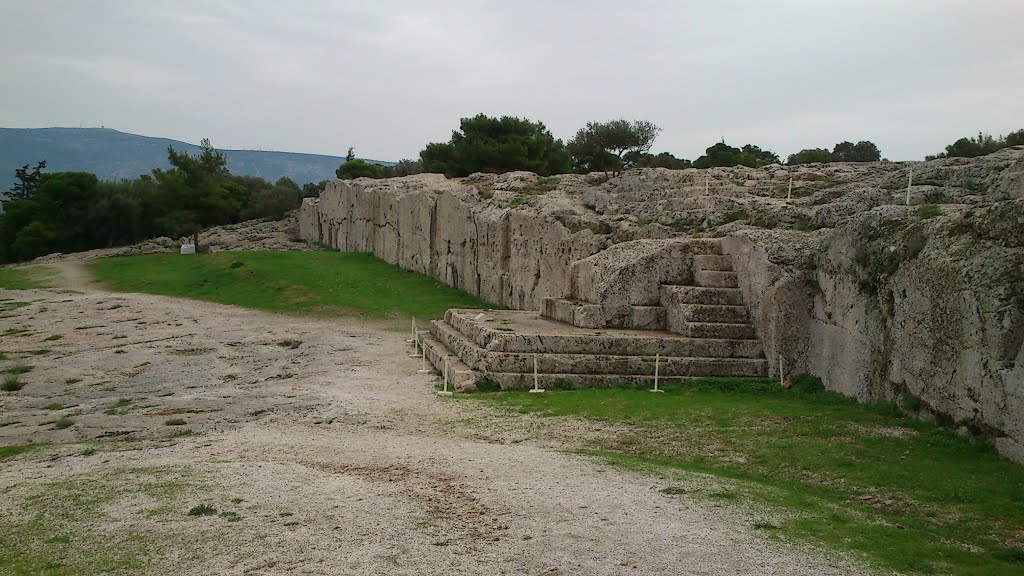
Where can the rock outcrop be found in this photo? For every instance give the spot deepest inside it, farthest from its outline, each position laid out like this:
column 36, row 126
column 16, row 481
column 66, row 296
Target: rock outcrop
column 887, row 291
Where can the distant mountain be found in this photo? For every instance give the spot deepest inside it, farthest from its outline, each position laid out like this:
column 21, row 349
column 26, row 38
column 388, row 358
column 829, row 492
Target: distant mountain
column 113, row 155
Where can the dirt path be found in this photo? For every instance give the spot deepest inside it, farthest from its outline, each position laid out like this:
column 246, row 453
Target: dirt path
column 73, row 275
column 321, row 449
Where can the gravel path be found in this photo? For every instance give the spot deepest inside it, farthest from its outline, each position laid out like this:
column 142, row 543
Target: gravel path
column 323, row 451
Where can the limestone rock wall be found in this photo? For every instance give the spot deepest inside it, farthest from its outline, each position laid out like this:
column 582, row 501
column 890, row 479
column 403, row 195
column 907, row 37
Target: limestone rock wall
column 922, row 303
column 937, row 326
column 439, row 227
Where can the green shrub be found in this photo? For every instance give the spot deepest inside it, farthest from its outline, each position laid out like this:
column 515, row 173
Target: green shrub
column 926, row 211
column 910, row 402
column 11, row 384
column 487, row 385
column 202, row 510
column 543, row 184
column 18, row 369
column 807, row 384
column 734, row 216
column 802, row 224
column 175, row 422
column 62, row 423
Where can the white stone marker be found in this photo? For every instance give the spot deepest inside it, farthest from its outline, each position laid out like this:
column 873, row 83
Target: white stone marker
column 426, row 367
column 416, row 347
column 445, row 391
column 782, row 372
column 789, row 195
column 413, row 339
column 657, row 366
column 536, row 379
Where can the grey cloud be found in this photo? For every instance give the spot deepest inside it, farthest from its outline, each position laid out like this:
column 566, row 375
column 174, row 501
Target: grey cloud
column 388, row 77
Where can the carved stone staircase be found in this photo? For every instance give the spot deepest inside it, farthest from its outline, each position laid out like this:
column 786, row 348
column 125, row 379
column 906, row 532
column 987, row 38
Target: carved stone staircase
column 698, row 330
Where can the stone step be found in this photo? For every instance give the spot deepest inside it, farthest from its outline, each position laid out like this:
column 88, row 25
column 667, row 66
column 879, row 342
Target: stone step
column 479, row 332
column 673, row 295
column 711, row 313
column 711, row 246
column 712, row 262
column 719, row 330
column 524, row 381
column 647, row 317
column 458, row 344
column 581, row 314
column 493, row 336
column 588, row 365
column 486, row 361
column 460, row 376
column 715, row 279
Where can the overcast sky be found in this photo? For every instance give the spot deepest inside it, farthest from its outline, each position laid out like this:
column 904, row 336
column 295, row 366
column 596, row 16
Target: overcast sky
column 388, row 77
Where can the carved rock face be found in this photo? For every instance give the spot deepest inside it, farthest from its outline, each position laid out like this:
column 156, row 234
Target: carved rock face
column 844, row 279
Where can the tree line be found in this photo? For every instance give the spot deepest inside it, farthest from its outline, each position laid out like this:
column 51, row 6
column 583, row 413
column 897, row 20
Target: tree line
column 73, row 211
column 487, row 144
column 979, row 146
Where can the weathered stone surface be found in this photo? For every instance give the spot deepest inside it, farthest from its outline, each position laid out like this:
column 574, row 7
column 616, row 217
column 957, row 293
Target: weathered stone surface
column 844, row 279
column 507, row 347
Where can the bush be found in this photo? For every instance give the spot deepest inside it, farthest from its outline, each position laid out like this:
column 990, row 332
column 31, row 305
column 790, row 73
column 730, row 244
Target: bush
column 202, row 510
column 353, row 169
column 926, row 211
column 497, row 145
column 734, row 216
column 18, row 369
column 11, row 384
column 487, row 385
column 807, row 384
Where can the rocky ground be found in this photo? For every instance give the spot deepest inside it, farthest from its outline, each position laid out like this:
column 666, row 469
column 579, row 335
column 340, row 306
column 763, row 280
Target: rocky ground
column 251, row 235
column 320, row 449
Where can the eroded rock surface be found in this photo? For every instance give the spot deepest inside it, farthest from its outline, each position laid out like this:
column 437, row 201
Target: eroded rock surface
column 888, row 291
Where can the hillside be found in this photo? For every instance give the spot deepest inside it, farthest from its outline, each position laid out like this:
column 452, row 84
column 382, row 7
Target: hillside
column 113, row 155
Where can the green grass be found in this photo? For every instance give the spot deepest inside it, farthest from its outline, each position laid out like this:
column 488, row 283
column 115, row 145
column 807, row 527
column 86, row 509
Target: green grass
column 12, row 451
column 26, row 277
column 906, row 495
column 320, row 283
column 121, row 407
column 202, row 510
column 11, row 384
column 17, row 369
column 66, row 527
column 926, row 211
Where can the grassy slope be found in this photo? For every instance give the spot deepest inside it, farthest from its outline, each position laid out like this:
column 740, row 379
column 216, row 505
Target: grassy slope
column 25, row 277
column 908, row 495
column 322, row 283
